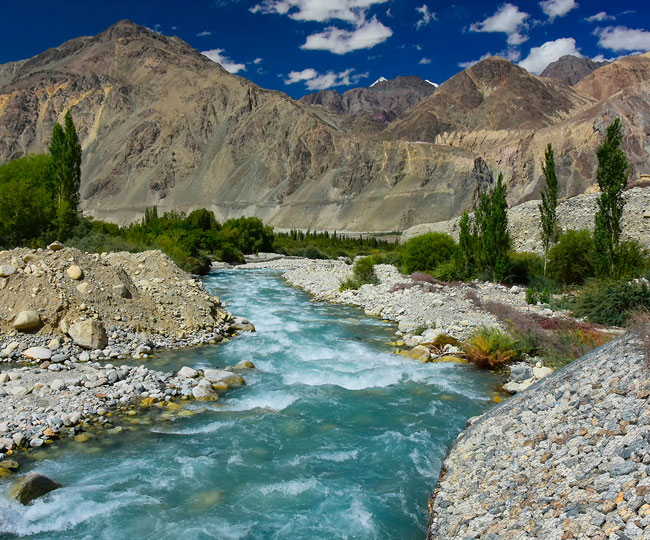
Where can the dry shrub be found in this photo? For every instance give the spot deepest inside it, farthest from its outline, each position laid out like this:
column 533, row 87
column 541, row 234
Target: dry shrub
column 490, row 348
column 641, row 326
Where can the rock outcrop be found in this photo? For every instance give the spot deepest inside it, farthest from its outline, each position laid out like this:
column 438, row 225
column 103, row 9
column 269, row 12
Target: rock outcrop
column 566, row 458
column 33, row 486
column 570, row 69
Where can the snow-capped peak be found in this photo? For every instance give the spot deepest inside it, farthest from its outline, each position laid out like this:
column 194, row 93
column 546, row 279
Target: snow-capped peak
column 432, row 83
column 381, row 79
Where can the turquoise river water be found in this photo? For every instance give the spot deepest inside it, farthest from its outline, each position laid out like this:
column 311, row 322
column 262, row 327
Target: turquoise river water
column 333, row 437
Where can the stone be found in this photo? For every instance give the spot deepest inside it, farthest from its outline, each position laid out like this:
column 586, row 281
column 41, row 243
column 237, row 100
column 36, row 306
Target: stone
column 57, row 384
column 89, row 334
column 38, row 353
column 33, row 486
column 244, row 364
column 420, row 353
column 204, row 393
column 84, row 287
column 55, row 246
column 54, row 344
column 36, row 442
column 9, row 464
column 6, row 270
column 75, row 272
column 187, row 372
column 515, row 387
column 224, row 376
column 541, row 372
column 520, row 372
column 27, row 320
column 122, row 291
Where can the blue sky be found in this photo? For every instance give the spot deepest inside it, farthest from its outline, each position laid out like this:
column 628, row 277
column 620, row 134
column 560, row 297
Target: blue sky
column 298, row 46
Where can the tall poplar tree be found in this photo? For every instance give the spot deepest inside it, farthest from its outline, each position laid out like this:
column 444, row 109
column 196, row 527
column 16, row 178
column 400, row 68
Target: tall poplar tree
column 548, row 207
column 612, row 174
column 65, row 174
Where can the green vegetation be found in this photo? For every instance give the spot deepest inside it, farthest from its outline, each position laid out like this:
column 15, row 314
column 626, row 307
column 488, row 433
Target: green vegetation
column 324, row 245
column 548, row 207
column 363, row 272
column 612, row 178
column 571, row 259
column 490, row 348
column 426, row 252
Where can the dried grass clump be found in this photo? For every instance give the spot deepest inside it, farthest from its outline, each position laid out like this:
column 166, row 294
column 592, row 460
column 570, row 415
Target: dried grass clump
column 640, row 325
column 490, row 348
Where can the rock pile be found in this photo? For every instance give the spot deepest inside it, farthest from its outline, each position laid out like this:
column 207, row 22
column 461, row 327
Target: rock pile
column 567, row 458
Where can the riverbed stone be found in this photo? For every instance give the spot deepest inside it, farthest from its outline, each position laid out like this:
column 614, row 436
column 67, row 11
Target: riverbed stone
column 38, row 353
column 244, row 364
column 188, row 372
column 27, row 320
column 75, row 272
column 89, row 334
column 224, row 376
column 419, row 353
column 33, row 486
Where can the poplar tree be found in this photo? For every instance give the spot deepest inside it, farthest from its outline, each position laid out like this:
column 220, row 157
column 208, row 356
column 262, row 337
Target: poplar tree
column 547, row 209
column 65, row 174
column 611, row 175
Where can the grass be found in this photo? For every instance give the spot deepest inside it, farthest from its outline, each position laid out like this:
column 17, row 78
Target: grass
column 490, row 348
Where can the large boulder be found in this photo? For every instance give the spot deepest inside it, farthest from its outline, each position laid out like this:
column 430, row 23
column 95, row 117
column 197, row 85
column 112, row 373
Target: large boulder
column 27, row 320
column 31, row 487
column 89, row 334
column 224, row 376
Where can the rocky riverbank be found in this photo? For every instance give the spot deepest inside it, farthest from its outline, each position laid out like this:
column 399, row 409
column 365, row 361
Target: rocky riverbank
column 67, row 317
column 568, row 458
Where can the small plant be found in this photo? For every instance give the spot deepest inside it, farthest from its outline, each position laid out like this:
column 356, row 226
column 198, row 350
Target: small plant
column 349, row 283
column 363, row 273
column 532, row 296
column 490, row 348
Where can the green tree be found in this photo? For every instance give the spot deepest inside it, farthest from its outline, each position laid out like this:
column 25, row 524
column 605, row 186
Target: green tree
column 65, row 174
column 491, row 237
column 425, row 252
column 547, row 209
column 612, row 174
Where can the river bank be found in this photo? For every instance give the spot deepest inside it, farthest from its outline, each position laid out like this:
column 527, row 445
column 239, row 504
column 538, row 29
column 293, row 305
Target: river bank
column 67, row 318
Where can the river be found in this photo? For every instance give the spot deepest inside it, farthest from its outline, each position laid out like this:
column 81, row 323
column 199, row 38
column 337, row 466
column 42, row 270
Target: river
column 333, row 437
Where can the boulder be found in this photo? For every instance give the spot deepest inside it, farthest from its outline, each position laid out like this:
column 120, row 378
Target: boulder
column 6, row 270
column 520, row 372
column 55, row 246
column 204, row 393
column 244, row 364
column 38, row 353
column 75, row 272
column 32, row 486
column 27, row 320
column 420, row 353
column 224, row 376
column 187, row 372
column 89, row 334
column 541, row 372
column 515, row 387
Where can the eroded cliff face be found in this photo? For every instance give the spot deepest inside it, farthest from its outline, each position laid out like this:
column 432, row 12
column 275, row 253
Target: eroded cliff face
column 161, row 124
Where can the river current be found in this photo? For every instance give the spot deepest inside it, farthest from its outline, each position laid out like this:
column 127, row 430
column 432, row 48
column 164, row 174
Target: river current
column 334, row 436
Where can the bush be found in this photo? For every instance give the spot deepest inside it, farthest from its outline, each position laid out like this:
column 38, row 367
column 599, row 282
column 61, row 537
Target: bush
column 570, row 261
column 630, row 259
column 611, row 302
column 424, row 253
column 524, row 268
column 230, row 254
column 363, row 273
column 490, row 348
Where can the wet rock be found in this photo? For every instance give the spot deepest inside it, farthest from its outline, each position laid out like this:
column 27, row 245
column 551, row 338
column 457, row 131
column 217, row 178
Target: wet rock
column 224, row 376
column 89, row 334
column 244, row 364
column 419, row 353
column 202, row 392
column 27, row 320
column 33, row 486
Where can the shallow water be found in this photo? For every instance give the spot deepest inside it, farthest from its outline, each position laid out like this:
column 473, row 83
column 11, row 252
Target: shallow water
column 333, row 437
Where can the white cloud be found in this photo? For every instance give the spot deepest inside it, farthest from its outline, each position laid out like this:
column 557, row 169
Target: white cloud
column 621, row 38
column 216, row 55
column 427, row 16
column 340, row 41
column 557, row 8
column 257, row 61
column 205, row 33
column 321, row 81
column 352, row 11
column 600, row 16
column 425, row 61
column 542, row 56
column 507, row 19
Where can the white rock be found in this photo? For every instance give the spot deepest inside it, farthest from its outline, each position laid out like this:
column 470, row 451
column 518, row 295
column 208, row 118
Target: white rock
column 6, row 270
column 75, row 272
column 541, row 372
column 56, row 385
column 84, row 287
column 187, row 372
column 54, row 344
column 513, row 387
column 204, row 392
column 38, row 353
column 89, row 334
column 27, row 320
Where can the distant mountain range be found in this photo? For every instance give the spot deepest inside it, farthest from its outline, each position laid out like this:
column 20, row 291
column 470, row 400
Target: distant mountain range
column 162, row 124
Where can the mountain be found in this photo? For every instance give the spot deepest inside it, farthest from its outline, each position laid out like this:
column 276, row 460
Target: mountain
column 372, row 108
column 570, row 69
column 161, row 124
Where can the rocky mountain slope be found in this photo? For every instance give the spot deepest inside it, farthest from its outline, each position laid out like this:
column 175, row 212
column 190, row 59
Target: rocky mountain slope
column 162, row 124
column 570, row 69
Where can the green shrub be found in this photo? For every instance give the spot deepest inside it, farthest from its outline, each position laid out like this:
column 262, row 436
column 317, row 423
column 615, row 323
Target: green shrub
column 524, row 268
column 349, row 283
column 363, row 272
column 570, row 261
column 230, row 254
column 424, row 253
column 532, row 296
column 490, row 348
column 611, row 302
column 630, row 259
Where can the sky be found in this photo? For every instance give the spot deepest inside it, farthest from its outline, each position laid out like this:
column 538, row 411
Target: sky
column 301, row 46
